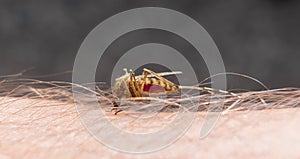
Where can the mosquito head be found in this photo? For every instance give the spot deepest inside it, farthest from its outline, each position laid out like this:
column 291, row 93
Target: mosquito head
column 121, row 89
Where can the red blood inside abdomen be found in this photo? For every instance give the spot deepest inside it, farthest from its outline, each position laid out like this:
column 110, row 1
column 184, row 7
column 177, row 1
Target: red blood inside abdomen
column 152, row 88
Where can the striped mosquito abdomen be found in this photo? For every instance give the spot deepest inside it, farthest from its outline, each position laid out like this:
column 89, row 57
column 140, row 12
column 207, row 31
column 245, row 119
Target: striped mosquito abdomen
column 158, row 86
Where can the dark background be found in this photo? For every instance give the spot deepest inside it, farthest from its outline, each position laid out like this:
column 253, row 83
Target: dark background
column 259, row 38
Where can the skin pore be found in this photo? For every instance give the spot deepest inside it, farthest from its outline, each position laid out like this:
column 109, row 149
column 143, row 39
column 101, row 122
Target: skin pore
column 38, row 128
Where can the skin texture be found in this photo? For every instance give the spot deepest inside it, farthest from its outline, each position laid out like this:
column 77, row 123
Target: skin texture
column 36, row 128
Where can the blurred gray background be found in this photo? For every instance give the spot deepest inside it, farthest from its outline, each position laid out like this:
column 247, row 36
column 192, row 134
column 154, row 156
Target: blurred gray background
column 259, row 38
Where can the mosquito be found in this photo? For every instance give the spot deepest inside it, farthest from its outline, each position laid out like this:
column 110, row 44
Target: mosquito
column 130, row 86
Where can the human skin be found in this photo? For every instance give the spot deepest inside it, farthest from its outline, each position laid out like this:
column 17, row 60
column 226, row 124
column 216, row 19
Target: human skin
column 37, row 128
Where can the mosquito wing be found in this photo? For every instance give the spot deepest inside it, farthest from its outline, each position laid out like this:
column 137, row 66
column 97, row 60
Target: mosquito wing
column 162, row 74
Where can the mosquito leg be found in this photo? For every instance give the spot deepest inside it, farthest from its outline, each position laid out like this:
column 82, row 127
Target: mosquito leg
column 144, row 75
column 136, row 85
column 118, row 111
column 115, row 108
column 133, row 86
column 209, row 90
